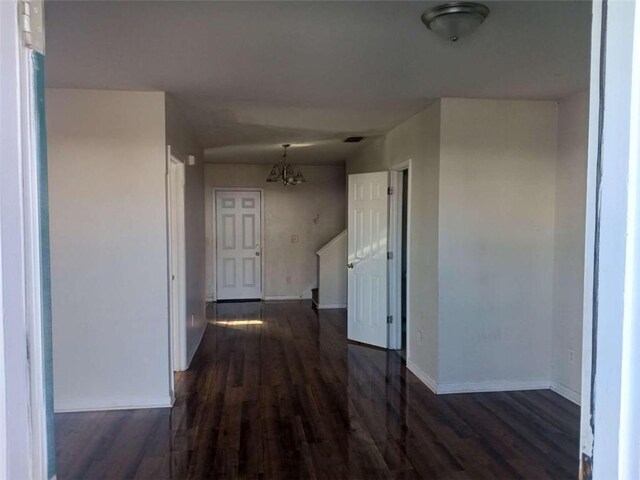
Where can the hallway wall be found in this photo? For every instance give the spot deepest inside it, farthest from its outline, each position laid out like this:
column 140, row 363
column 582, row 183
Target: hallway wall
column 571, row 178
column 180, row 136
column 315, row 211
column 108, row 249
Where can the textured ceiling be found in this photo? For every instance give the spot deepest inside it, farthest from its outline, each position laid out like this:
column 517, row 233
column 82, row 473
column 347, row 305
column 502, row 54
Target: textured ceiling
column 252, row 75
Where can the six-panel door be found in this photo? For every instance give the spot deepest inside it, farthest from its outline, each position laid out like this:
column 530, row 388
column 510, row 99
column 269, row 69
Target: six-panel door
column 368, row 208
column 238, row 248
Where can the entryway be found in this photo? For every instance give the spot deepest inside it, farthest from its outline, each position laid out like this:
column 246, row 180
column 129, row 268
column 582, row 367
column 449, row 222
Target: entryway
column 238, row 237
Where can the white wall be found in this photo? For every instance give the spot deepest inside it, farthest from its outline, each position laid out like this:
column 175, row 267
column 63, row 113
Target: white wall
column 332, row 273
column 418, row 140
column 179, row 134
column 315, row 211
column 108, row 248
column 571, row 177
column 496, row 243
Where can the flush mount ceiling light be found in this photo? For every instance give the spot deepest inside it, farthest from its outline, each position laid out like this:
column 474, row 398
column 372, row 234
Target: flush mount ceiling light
column 456, row 19
column 284, row 171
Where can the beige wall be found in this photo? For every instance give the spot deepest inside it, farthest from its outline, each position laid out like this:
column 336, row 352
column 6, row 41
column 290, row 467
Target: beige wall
column 179, row 135
column 108, row 248
column 315, row 211
column 496, row 236
column 571, row 177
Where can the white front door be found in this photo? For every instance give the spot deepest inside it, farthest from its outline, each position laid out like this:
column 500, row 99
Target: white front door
column 238, row 249
column 367, row 260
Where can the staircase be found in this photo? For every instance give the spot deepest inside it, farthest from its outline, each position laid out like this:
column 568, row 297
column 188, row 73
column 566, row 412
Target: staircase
column 332, row 275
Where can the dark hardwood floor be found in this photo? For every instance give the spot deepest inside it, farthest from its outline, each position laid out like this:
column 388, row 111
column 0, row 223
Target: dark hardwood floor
column 275, row 391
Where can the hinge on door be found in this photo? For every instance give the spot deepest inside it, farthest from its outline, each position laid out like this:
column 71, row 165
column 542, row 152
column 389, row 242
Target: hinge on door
column 389, row 190
column 389, row 255
column 32, row 19
column 389, row 318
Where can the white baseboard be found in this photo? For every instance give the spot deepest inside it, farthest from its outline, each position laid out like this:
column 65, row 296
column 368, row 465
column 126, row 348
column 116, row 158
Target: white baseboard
column 493, row 386
column 271, row 298
column 327, row 307
column 475, row 387
column 131, row 403
column 422, row 376
column 566, row 392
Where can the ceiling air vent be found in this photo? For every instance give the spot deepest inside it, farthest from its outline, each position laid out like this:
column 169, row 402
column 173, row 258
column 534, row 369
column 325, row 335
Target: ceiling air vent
column 353, row 139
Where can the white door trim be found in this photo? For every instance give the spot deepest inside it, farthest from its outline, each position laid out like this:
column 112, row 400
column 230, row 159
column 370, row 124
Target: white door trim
column 23, row 432
column 611, row 339
column 177, row 313
column 214, row 241
column 395, row 265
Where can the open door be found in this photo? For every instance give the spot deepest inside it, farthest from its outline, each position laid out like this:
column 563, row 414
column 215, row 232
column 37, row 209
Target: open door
column 368, row 209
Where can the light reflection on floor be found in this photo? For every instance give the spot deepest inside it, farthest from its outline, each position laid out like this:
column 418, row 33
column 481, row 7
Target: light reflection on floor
column 236, row 323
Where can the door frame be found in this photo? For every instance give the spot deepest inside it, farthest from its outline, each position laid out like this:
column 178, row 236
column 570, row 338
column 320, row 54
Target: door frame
column 177, row 314
column 26, row 440
column 214, row 240
column 395, row 264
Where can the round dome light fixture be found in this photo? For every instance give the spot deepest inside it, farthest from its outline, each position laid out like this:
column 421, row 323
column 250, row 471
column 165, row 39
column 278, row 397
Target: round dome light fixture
column 456, row 19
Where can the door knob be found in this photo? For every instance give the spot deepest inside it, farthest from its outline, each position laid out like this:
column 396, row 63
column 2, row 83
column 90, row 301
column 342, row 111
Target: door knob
column 257, row 254
column 349, row 265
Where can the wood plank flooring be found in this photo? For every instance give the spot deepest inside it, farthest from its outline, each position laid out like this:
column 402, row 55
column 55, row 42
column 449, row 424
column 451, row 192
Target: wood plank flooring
column 275, row 391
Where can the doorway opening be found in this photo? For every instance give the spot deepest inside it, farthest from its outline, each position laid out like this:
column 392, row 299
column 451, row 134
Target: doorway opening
column 404, row 262
column 377, row 262
column 177, row 265
column 399, row 218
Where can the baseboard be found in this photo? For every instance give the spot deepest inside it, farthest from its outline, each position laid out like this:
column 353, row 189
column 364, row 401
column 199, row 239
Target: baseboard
column 101, row 404
column 327, row 307
column 566, row 392
column 422, row 376
column 271, row 298
column 493, row 386
column 197, row 345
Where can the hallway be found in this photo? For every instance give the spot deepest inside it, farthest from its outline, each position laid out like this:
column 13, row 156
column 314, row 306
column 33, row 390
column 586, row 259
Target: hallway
column 275, row 391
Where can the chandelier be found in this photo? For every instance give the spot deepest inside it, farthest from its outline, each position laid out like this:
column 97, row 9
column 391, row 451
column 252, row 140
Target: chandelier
column 284, row 172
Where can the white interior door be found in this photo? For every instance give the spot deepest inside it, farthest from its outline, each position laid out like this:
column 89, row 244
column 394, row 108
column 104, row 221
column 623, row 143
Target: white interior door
column 178, row 269
column 238, row 249
column 367, row 260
